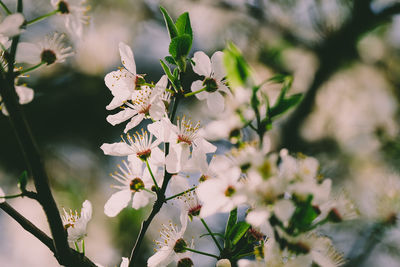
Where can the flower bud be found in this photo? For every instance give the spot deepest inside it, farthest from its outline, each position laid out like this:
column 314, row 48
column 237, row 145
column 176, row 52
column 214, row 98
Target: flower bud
column 223, row 263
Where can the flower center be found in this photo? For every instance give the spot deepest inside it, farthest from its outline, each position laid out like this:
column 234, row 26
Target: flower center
column 63, row 7
column 180, row 246
column 68, row 225
column 230, row 191
column 203, row 178
column 48, row 56
column 143, row 155
column 185, row 262
column 139, row 81
column 136, row 185
column 194, row 211
column 210, row 84
column 184, row 139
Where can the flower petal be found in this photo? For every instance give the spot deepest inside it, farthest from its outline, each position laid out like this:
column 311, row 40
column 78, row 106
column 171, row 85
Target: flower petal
column 11, row 25
column 117, row 149
column 215, row 102
column 121, row 116
column 162, row 257
column 127, row 58
column 117, row 202
column 202, row 64
column 140, row 199
column 86, row 212
column 157, row 110
column 217, row 65
column 196, row 86
column 134, row 122
column 25, row 94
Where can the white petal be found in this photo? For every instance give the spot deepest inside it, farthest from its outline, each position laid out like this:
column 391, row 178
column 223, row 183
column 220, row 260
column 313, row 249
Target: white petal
column 172, row 163
column 140, row 199
column 25, row 94
column 157, row 110
column 157, row 157
column 162, row 130
column 134, row 122
column 2, row 195
column 11, row 25
column 125, row 262
column 284, row 209
column 117, row 202
column 217, row 65
column 121, row 116
column 162, row 258
column 178, row 184
column 117, row 149
column 215, row 102
column 28, row 53
column 202, row 145
column 86, row 211
column 196, row 86
column 127, row 58
column 161, row 85
column 115, row 102
column 202, row 64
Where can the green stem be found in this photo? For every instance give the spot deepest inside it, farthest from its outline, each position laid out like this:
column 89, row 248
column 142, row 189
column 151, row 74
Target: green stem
column 77, row 247
column 180, row 194
column 201, row 252
column 244, row 255
column 212, row 235
column 29, row 69
column 83, row 247
column 152, row 176
column 5, row 8
column 42, row 17
column 195, row 92
column 12, row 196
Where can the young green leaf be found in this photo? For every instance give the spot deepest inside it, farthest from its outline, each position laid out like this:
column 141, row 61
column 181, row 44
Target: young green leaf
column 167, row 71
column 23, row 181
column 173, row 32
column 183, row 25
column 238, row 71
column 237, row 232
column 170, row 60
column 180, row 46
column 231, row 221
column 285, row 104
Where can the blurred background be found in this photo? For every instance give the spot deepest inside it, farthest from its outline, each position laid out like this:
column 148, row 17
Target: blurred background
column 344, row 55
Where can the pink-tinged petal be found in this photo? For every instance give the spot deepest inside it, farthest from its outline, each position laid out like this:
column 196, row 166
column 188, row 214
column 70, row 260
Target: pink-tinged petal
column 163, row 130
column 127, row 58
column 25, row 94
column 121, row 116
column 204, row 146
column 125, row 262
column 157, row 157
column 178, row 184
column 161, row 85
column 198, row 85
column 222, row 87
column 157, row 110
column 217, row 65
column 140, row 199
column 117, row 149
column 117, row 202
column 162, row 257
column 134, row 122
column 202, row 64
column 172, row 163
column 115, row 103
column 116, row 82
column 10, row 26
column 215, row 102
column 28, row 53
column 135, row 164
column 183, row 219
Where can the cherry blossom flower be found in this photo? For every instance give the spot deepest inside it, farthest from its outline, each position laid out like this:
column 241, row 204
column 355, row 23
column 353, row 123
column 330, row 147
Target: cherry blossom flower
column 223, row 263
column 74, row 13
column 213, row 72
column 171, row 246
column 49, row 51
column 146, row 102
column 123, row 82
column 135, row 183
column 138, row 145
column 76, row 224
column 221, row 194
column 182, row 137
column 10, row 26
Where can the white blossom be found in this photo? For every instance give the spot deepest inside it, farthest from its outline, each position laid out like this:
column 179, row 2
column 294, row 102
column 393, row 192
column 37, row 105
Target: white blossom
column 76, row 224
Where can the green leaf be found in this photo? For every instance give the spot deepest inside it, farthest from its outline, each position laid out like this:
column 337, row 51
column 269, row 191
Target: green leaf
column 167, row 71
column 173, row 32
column 279, row 78
column 285, row 104
column 238, row 71
column 180, row 46
column 231, row 221
column 170, row 60
column 183, row 25
column 23, row 181
column 238, row 231
column 303, row 216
